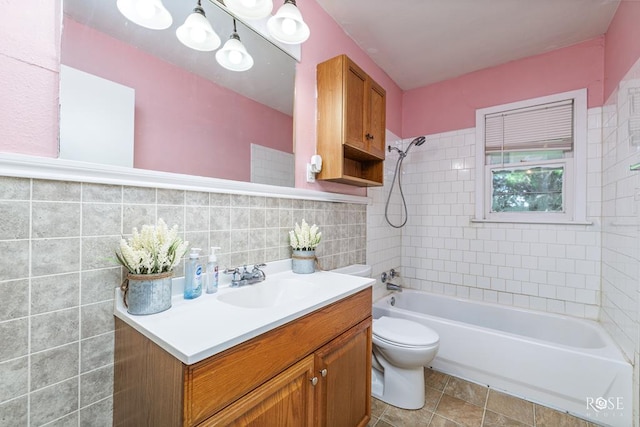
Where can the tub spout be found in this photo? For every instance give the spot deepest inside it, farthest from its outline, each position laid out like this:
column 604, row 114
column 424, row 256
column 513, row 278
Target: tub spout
column 393, row 287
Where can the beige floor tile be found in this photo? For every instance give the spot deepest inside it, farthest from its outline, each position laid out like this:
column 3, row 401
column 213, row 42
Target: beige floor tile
column 438, row 421
column 406, row 418
column 459, row 411
column 492, row 419
column 377, row 407
column 435, row 379
column 547, row 417
column 382, row 423
column 467, row 391
column 432, row 397
column 513, row 407
column 372, row 422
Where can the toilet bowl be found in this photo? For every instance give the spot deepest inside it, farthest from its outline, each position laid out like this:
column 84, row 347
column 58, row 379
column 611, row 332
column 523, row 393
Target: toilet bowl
column 401, row 350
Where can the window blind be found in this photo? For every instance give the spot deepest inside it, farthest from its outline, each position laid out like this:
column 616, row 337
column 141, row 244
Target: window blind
column 542, row 127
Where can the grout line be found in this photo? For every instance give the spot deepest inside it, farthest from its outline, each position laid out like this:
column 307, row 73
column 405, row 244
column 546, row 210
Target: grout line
column 484, row 408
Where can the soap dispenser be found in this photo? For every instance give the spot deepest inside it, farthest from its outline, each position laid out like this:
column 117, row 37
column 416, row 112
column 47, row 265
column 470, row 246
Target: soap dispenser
column 212, row 271
column 193, row 275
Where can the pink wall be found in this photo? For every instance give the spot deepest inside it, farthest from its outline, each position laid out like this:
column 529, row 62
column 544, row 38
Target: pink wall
column 326, row 41
column 29, row 65
column 184, row 123
column 29, row 76
column 451, row 104
column 622, row 48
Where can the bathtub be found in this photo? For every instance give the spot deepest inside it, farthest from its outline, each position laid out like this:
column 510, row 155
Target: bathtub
column 566, row 363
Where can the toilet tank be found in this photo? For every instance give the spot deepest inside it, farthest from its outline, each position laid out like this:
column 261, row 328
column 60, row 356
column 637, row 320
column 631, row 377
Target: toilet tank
column 361, row 270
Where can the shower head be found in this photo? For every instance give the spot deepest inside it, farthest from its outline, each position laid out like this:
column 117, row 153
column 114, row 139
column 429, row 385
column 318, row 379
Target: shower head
column 417, row 142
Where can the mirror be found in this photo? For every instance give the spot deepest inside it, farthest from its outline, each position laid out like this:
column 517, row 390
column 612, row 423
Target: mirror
column 190, row 115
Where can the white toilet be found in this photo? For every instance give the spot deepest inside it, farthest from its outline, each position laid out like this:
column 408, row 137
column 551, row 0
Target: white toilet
column 401, row 350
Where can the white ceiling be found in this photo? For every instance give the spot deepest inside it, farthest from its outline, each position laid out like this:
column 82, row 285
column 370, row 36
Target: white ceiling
column 419, row 42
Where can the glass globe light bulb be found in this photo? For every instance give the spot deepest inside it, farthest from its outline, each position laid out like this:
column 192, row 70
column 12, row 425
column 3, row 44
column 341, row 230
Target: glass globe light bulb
column 235, row 57
column 145, row 9
column 197, row 34
column 289, row 26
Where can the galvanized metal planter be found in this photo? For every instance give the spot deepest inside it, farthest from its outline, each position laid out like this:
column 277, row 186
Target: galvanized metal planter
column 147, row 293
column 303, row 262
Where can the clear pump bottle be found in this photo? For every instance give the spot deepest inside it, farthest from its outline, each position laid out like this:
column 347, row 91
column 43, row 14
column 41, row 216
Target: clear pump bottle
column 193, row 275
column 212, row 271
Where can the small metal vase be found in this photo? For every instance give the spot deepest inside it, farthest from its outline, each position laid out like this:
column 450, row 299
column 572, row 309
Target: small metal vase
column 147, row 293
column 303, row 262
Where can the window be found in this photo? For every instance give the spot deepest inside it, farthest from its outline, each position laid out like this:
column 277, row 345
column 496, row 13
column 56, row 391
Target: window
column 531, row 165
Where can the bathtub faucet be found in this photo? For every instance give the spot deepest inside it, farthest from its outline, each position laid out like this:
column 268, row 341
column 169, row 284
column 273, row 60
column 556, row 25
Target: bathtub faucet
column 394, row 287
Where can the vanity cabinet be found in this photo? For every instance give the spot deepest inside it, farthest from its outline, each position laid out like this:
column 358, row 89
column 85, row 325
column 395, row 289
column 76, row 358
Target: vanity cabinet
column 312, row 371
column 351, row 124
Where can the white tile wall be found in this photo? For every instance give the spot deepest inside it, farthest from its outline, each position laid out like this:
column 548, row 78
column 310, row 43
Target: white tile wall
column 273, row 167
column 383, row 241
column 621, row 228
column 553, row 268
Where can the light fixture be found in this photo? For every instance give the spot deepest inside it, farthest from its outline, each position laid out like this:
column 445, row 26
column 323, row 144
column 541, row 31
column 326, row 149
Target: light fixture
column 250, row 9
column 233, row 55
column 148, row 13
column 196, row 32
column 287, row 26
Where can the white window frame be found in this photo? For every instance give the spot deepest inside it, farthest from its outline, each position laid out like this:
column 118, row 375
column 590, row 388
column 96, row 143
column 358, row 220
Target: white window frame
column 575, row 173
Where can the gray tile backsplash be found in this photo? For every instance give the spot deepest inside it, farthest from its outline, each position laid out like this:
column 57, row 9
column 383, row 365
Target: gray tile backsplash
column 14, row 295
column 57, row 287
column 53, row 329
column 53, row 402
column 53, row 366
column 15, row 378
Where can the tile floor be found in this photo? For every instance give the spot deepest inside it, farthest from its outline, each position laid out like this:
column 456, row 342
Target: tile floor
column 452, row 402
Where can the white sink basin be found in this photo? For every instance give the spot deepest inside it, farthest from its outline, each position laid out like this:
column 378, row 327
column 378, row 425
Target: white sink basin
column 269, row 293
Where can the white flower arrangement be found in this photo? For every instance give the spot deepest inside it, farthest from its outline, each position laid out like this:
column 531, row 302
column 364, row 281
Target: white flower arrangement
column 304, row 238
column 154, row 250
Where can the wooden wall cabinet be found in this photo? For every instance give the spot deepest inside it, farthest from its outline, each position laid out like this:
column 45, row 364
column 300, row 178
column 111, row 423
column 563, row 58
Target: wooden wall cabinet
column 351, row 124
column 313, row 371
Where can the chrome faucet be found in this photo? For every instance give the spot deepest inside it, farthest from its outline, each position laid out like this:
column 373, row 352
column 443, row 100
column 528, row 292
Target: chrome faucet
column 246, row 277
column 386, row 278
column 394, row 287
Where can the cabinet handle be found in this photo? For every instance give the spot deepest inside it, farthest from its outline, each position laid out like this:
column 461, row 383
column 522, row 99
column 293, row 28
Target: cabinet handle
column 314, row 381
column 323, row 372
column 369, row 136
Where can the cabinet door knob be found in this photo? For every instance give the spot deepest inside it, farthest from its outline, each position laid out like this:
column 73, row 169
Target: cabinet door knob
column 314, row 380
column 369, row 136
column 323, row 372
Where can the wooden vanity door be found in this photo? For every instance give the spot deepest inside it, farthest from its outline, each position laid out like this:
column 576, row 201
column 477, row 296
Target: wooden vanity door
column 286, row 400
column 343, row 367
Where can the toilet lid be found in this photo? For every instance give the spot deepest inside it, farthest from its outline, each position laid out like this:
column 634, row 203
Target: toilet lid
column 403, row 331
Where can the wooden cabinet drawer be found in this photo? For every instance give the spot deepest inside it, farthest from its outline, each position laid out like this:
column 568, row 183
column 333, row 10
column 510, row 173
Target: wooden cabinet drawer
column 216, row 382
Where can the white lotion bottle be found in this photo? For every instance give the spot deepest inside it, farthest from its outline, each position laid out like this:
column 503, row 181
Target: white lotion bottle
column 212, row 271
column 193, row 275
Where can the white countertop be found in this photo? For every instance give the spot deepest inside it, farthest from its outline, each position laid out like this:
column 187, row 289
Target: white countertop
column 192, row 330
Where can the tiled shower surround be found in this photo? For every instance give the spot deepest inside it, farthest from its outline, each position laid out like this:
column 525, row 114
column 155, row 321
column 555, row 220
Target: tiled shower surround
column 620, row 311
column 586, row 271
column 553, row 268
column 58, row 274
